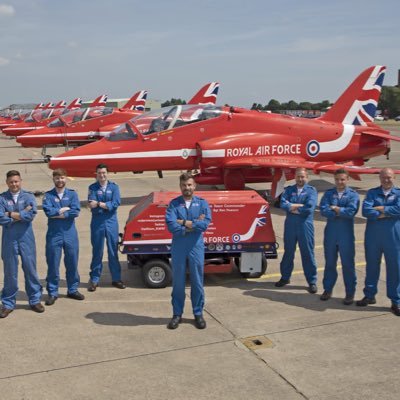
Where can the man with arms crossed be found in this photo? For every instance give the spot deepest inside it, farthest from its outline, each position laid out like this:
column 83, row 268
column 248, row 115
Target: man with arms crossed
column 381, row 207
column 17, row 211
column 61, row 206
column 187, row 217
column 299, row 202
column 104, row 200
column 339, row 205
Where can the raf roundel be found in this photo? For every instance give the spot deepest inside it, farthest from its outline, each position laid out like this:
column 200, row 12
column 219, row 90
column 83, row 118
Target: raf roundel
column 313, row 148
column 236, row 237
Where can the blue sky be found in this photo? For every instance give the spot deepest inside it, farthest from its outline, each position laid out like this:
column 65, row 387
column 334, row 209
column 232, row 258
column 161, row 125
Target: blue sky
column 256, row 49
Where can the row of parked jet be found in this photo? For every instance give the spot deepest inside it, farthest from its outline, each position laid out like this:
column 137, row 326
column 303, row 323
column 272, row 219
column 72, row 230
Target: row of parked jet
column 227, row 145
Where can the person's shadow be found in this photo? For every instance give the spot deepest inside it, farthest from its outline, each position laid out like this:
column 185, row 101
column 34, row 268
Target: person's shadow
column 125, row 319
column 268, row 291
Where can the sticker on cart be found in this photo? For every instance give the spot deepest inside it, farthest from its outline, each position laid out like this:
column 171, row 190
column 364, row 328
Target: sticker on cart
column 235, row 237
column 219, row 247
column 211, row 247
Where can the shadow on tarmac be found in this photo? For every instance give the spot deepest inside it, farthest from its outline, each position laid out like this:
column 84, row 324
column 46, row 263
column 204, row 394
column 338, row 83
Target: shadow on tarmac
column 267, row 291
column 125, row 319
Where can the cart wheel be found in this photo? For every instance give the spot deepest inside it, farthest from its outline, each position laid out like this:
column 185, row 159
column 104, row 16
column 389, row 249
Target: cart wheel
column 156, row 273
column 256, row 274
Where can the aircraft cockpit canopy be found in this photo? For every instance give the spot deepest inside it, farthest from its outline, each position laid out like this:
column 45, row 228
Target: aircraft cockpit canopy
column 40, row 115
column 164, row 119
column 83, row 114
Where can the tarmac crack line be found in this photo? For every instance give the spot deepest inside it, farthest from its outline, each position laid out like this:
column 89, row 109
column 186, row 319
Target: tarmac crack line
column 111, row 360
column 280, row 375
column 327, row 324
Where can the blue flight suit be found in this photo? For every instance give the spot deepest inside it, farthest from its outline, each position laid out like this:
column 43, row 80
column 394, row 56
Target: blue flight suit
column 382, row 236
column 18, row 240
column 299, row 228
column 61, row 235
column 104, row 225
column 339, row 237
column 187, row 249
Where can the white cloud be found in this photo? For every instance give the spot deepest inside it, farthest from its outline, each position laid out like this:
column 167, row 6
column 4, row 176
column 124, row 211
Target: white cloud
column 4, row 61
column 7, row 10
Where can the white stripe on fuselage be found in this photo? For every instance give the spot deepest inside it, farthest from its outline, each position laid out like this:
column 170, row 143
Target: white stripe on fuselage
column 340, row 143
column 63, row 135
column 325, row 147
column 25, row 128
column 140, row 154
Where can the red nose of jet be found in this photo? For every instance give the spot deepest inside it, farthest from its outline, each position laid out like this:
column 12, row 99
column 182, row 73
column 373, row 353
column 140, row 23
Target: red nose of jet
column 81, row 161
column 41, row 137
column 13, row 130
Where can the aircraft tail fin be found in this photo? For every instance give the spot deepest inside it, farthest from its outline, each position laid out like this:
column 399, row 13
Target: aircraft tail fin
column 76, row 103
column 137, row 101
column 39, row 106
column 61, row 104
column 100, row 101
column 357, row 105
column 206, row 95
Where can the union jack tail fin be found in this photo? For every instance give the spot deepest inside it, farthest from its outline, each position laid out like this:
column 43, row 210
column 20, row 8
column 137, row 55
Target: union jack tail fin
column 77, row 103
column 357, row 105
column 137, row 101
column 206, row 95
column 101, row 101
column 39, row 106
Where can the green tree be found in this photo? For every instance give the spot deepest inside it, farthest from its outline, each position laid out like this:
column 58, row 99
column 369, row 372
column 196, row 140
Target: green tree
column 389, row 101
column 273, row 105
column 173, row 102
column 305, row 105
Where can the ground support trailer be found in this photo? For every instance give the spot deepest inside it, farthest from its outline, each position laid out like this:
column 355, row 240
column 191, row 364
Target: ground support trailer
column 241, row 235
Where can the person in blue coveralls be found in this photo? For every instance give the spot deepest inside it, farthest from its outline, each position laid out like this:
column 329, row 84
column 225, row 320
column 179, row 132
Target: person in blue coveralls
column 17, row 211
column 187, row 217
column 61, row 206
column 339, row 205
column 299, row 202
column 381, row 207
column 104, row 199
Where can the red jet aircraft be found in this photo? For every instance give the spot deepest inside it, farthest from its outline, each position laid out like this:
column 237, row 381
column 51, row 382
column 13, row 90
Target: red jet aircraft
column 84, row 126
column 234, row 146
column 13, row 117
column 105, row 121
column 40, row 118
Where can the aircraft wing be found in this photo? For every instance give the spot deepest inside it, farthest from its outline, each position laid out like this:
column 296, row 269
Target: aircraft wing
column 296, row 162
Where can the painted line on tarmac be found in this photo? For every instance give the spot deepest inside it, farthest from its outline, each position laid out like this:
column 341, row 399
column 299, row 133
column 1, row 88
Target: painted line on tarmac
column 318, row 247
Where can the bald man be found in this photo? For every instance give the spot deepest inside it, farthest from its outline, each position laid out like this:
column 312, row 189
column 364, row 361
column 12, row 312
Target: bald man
column 299, row 202
column 381, row 207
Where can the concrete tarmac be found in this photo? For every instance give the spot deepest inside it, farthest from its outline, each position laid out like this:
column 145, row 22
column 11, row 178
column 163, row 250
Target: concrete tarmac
column 261, row 342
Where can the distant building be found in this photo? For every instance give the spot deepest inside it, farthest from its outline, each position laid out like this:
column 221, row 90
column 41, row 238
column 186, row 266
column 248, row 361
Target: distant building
column 119, row 103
